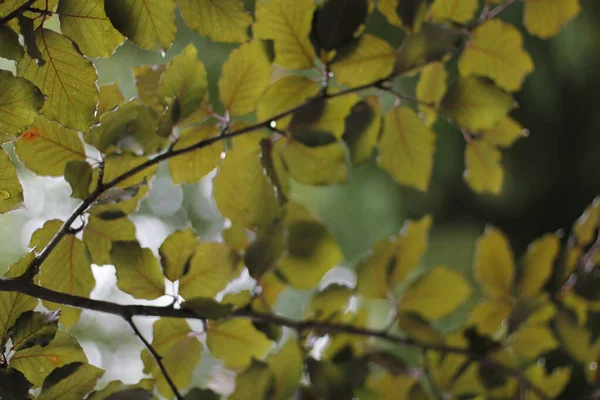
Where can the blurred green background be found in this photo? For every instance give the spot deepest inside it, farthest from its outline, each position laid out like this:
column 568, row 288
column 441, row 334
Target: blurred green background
column 550, row 177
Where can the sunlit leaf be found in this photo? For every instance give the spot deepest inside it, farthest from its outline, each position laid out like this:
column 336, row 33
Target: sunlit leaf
column 460, row 11
column 236, row 342
column 505, row 133
column 483, row 170
column 406, row 148
column 176, row 252
column 34, row 328
column 288, row 23
column 11, row 191
column 489, row 314
column 585, row 226
column 544, row 18
column 391, row 387
column 408, row 15
column 431, row 89
column 10, row 48
column 284, row 94
column 338, row 20
column 505, row 61
column 253, row 383
column 287, row 366
column 20, row 102
column 150, row 24
column 551, row 384
column 68, row 80
column 244, row 77
column 75, row 386
column 494, row 263
column 529, row 342
column 196, row 164
column 179, row 350
column 538, row 265
column 138, row 271
column 220, row 20
column 99, row 234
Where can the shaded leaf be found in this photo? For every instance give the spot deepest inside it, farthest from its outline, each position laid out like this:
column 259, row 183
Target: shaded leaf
column 417, row 328
column 253, row 383
column 329, row 303
column 75, row 386
column 117, row 390
column 494, row 263
column 544, row 18
column 322, row 118
column 147, row 80
column 287, row 366
column 207, row 308
column 109, row 98
column 338, row 20
column 34, row 328
column 267, row 249
column 138, row 271
column 99, row 234
column 406, row 14
column 362, row 129
column 201, row 394
column 176, row 252
column 196, row 164
column 13, row 385
column 220, row 20
column 483, row 170
column 11, row 191
column 530, row 342
column 460, row 11
column 79, row 176
column 391, row 387
column 538, row 264
column 576, row 340
column 10, row 48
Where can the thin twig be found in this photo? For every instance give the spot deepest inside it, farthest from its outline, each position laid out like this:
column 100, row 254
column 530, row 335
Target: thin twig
column 493, row 13
column 16, row 12
column 156, row 356
column 404, row 97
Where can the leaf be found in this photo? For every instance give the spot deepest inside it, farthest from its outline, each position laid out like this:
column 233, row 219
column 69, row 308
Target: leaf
column 243, row 192
column 211, row 268
column 406, row 14
column 185, row 81
column 284, row 94
column 338, row 20
column 368, row 60
column 176, row 252
column 505, row 61
column 13, row 304
column 20, row 102
column 431, row 89
column 505, row 133
column 437, row 294
column 267, row 249
column 201, row 394
column 110, row 97
column 244, row 77
column 544, row 18
column 13, row 385
column 34, row 328
column 196, row 164
column 99, row 235
column 538, row 264
column 494, row 263
column 461, row 11
column 551, row 384
column 585, row 226
column 220, row 20
column 391, row 387
column 68, row 80
column 530, row 342
column 312, row 249
column 117, row 164
column 475, row 104
column 87, row 25
column 253, row 383
column 138, row 271
column 431, row 43
column 79, row 176
column 150, row 24
column 180, row 352
column 288, row 23
column 489, row 314
column 236, row 342
column 11, row 191
column 27, row 27
column 287, row 366
column 329, row 303
column 37, row 362
column 483, row 171
column 147, row 80
column 576, row 340
column 417, row 328
column 207, row 308
column 117, row 390
column 74, row 386
column 362, row 129
column 47, row 147
column 324, row 117
column 10, row 48
column 406, row 148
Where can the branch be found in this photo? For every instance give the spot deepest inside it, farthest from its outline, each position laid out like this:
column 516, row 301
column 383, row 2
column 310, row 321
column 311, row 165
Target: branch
column 156, row 356
column 487, row 15
column 16, row 12
column 404, row 97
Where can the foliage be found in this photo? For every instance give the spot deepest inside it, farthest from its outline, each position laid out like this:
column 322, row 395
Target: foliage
column 305, row 97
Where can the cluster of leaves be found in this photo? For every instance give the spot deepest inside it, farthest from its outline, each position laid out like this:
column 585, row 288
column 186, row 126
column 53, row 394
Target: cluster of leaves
column 316, row 83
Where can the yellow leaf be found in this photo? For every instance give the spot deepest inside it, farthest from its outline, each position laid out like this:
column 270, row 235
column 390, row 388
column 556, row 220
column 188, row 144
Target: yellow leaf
column 220, row 20
column 576, row 340
column 369, row 60
column 287, row 366
column 494, row 263
column 109, row 98
column 288, row 23
column 99, row 235
column 138, row 271
column 431, row 89
column 505, row 133
column 489, row 315
column 74, row 386
column 529, row 342
column 195, row 165
column 460, row 11
column 20, row 102
column 408, row 15
column 147, row 79
column 362, row 129
column 415, row 327
column 11, row 191
column 586, row 225
column 406, row 148
column 244, row 77
column 117, row 164
column 505, row 61
column 236, row 342
column 254, row 383
column 552, row 385
column 483, row 171
column 391, row 387
column 176, row 252
column 544, row 18
column 323, row 116
column 437, row 294
column 538, row 264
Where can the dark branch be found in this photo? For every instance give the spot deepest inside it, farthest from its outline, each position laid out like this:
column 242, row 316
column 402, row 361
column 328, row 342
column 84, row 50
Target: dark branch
column 16, row 12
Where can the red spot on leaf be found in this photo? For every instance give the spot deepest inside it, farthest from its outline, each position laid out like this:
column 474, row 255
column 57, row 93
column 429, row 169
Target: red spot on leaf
column 29, row 135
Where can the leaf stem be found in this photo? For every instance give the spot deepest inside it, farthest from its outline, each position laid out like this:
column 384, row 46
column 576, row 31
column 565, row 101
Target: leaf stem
column 16, row 12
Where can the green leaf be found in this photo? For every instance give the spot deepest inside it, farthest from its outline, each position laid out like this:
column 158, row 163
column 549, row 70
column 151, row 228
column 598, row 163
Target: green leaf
column 267, row 249
column 11, row 191
column 87, row 25
column 150, row 24
column 475, row 104
column 288, row 23
column 530, row 342
column 10, row 47
column 75, row 386
column 47, row 147
column 483, row 171
column 368, row 60
column 244, row 77
column 110, row 97
column 338, row 20
column 329, row 303
column 544, row 18
column 13, row 385
column 138, row 271
column 312, row 249
column 437, row 294
column 417, row 328
column 284, row 94
column 391, row 387
column 180, row 352
column 15, row 303
column 68, row 80
column 220, row 20
column 538, row 264
column 176, row 252
column 211, row 268
column 37, row 362
column 406, row 148
column 362, row 129
column 196, row 164
column 79, row 176
column 505, row 61
column 253, row 383
column 117, row 390
column 431, row 89
column 287, row 366
column 576, row 340
column 494, row 263
column 20, row 102
column 147, row 80
column 99, row 234
column 207, row 308
column 201, row 394
column 34, row 328
column 236, row 342
column 185, row 81
column 431, row 43
column 117, row 164
column 461, row 11
column 489, row 314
